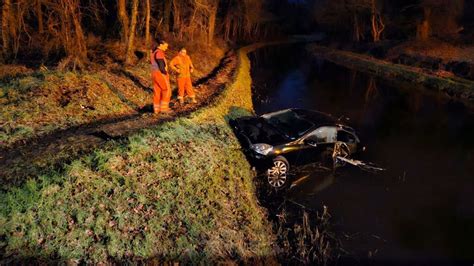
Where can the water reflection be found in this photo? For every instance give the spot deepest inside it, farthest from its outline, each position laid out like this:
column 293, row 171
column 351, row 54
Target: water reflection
column 313, row 182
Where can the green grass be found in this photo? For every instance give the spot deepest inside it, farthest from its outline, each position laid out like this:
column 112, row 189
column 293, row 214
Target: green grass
column 43, row 102
column 181, row 191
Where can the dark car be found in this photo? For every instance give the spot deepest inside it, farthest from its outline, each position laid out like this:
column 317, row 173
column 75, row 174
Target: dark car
column 278, row 141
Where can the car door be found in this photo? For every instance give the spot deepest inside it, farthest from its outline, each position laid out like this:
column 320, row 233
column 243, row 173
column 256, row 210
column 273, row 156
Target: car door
column 314, row 143
column 348, row 138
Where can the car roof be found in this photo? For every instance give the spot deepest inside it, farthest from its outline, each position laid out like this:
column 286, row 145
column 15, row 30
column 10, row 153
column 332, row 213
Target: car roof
column 317, row 118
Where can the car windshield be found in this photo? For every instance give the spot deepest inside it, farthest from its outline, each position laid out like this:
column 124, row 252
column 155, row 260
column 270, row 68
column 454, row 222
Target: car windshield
column 289, row 123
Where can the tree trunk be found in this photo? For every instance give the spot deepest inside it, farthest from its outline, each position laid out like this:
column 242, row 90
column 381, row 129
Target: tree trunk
column 15, row 23
column 424, row 28
column 131, row 35
column 147, row 24
column 5, row 27
column 176, row 18
column 167, row 16
column 212, row 22
column 80, row 42
column 39, row 14
column 356, row 33
column 377, row 23
column 123, row 18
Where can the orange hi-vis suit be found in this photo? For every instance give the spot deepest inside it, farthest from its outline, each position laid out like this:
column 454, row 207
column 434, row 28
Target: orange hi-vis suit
column 183, row 65
column 161, row 82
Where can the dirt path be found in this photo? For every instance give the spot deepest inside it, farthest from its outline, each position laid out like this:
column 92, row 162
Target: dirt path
column 53, row 150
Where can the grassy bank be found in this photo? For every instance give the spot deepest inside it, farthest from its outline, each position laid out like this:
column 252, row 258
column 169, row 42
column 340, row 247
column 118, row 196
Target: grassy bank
column 35, row 103
column 452, row 86
column 180, row 191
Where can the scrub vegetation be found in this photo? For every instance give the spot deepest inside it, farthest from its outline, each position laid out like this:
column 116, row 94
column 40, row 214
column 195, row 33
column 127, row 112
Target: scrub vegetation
column 180, row 191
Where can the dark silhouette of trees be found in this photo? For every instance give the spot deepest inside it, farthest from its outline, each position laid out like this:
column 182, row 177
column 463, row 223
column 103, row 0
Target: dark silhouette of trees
column 61, row 29
column 440, row 18
column 364, row 20
column 359, row 18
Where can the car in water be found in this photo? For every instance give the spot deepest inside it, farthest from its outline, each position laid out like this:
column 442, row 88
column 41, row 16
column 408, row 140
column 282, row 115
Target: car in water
column 279, row 141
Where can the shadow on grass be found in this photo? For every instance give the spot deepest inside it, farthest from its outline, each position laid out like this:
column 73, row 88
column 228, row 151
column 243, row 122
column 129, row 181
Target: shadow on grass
column 32, row 157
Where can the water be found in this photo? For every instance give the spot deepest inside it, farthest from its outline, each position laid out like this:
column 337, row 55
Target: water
column 422, row 208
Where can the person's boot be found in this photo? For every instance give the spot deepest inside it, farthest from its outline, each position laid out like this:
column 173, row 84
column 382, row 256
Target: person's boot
column 193, row 100
column 181, row 101
column 166, row 112
column 156, row 110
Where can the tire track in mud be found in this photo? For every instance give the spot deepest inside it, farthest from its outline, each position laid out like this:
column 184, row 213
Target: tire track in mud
column 39, row 155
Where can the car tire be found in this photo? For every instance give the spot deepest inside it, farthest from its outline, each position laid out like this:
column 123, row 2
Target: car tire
column 278, row 176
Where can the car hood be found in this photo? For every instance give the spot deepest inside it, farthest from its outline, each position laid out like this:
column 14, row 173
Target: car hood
column 257, row 130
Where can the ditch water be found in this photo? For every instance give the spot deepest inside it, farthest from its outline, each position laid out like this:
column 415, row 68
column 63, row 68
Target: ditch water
column 421, row 210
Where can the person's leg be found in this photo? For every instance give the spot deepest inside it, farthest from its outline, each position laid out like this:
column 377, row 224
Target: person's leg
column 156, row 93
column 189, row 90
column 165, row 94
column 181, row 89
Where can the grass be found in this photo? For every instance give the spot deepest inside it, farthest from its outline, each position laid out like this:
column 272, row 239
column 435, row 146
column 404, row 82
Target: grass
column 46, row 101
column 37, row 103
column 307, row 238
column 182, row 191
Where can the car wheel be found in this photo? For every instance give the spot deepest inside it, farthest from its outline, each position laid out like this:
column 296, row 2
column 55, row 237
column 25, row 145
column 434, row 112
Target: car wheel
column 278, row 174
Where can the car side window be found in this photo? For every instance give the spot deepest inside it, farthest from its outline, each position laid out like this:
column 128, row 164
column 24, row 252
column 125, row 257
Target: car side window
column 323, row 135
column 346, row 137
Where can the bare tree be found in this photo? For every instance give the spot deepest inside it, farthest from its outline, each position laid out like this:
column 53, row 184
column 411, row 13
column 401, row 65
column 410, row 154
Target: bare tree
column 131, row 34
column 242, row 18
column 123, row 18
column 167, row 15
column 424, row 28
column 39, row 15
column 355, row 17
column 377, row 23
column 147, row 23
column 213, row 5
column 5, row 27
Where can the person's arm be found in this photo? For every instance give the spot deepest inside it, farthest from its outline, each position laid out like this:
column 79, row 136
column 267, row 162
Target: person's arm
column 161, row 64
column 191, row 66
column 173, row 64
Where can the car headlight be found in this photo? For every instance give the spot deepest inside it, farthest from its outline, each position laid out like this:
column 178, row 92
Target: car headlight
column 262, row 148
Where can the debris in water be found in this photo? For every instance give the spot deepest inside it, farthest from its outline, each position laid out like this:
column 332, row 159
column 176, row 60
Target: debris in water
column 362, row 165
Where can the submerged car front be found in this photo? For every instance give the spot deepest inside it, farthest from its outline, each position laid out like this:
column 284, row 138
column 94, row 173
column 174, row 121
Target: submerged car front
column 261, row 141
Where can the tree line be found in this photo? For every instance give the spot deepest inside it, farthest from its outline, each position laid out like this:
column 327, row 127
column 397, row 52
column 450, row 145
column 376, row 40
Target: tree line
column 64, row 28
column 374, row 20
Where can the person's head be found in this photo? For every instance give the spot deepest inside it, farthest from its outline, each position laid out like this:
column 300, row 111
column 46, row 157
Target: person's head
column 162, row 45
column 183, row 51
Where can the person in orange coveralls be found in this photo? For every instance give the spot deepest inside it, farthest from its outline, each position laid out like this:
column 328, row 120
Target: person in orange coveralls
column 183, row 65
column 161, row 79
